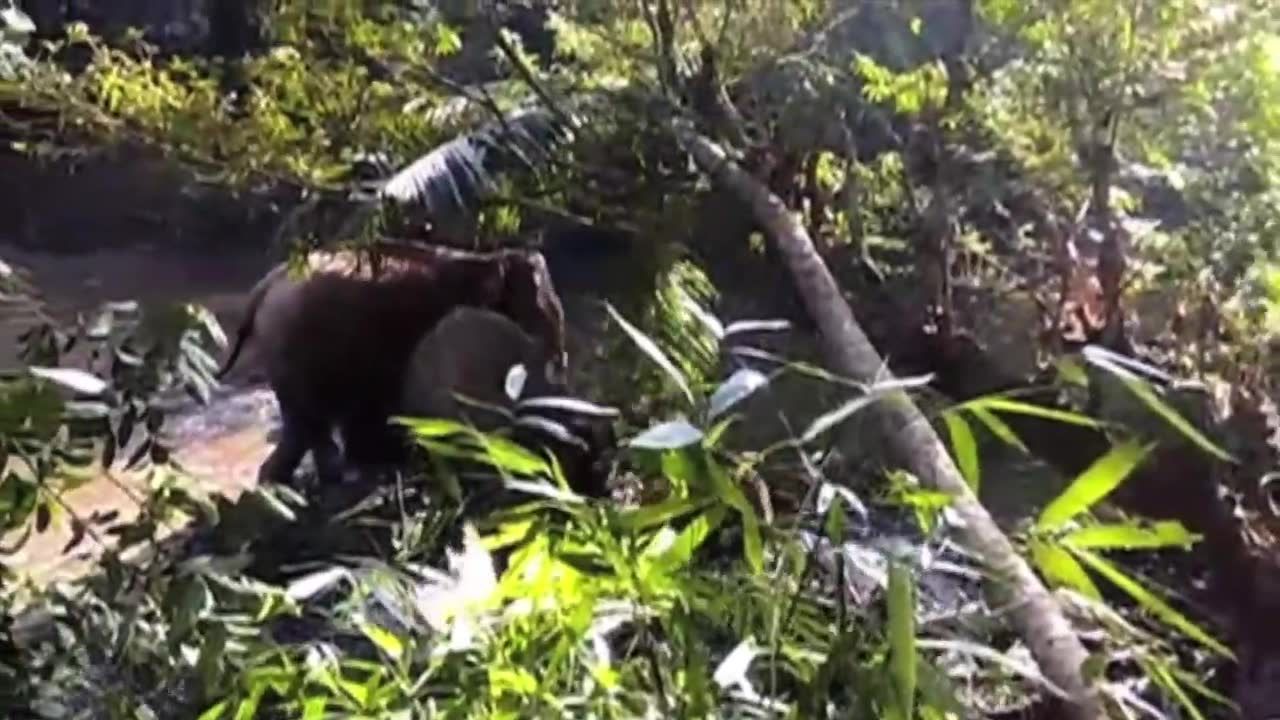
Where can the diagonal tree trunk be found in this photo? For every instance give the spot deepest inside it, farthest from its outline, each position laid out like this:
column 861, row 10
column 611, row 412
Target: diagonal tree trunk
column 1036, row 615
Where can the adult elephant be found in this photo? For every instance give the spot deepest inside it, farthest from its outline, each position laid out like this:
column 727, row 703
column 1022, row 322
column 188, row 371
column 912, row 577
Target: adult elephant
column 460, row 370
column 333, row 340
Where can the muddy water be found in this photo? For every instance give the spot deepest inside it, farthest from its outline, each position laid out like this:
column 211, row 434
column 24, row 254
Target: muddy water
column 221, row 444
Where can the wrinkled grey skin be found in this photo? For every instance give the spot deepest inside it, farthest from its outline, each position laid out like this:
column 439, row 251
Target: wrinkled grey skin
column 334, row 343
column 469, row 354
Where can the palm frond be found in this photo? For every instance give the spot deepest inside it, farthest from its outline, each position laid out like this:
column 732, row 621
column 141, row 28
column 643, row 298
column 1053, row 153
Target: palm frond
column 459, row 173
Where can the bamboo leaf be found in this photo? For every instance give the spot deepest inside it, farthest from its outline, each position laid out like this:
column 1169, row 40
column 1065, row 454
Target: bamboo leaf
column 650, row 348
column 1147, row 394
column 1151, row 602
column 965, row 448
column 1061, row 568
column 1131, row 536
column 902, row 638
column 1016, row 407
column 1095, row 483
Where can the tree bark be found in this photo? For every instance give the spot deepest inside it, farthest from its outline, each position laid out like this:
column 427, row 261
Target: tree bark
column 1036, row 615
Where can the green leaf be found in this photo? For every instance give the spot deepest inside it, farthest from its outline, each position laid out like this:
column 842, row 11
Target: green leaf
column 670, row 435
column 647, row 516
column 1148, row 395
column 1151, row 602
column 1060, row 568
column 999, row 428
column 1095, row 483
column 1001, row 404
column 385, row 640
column 1159, row 673
column 741, row 385
column 830, row 419
column 729, row 492
column 965, row 448
column 650, row 348
column 902, row 638
column 1131, row 536
column 217, row 712
column 674, row 551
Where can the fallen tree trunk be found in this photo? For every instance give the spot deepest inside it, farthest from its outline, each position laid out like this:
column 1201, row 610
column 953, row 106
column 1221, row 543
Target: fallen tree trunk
column 1036, row 615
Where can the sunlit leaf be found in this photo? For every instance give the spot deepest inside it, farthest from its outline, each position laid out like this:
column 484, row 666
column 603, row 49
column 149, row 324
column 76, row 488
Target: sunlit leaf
column 676, row 549
column 965, row 448
column 1000, row 404
column 741, row 385
column 650, row 348
column 384, row 640
column 732, row 671
column 78, row 380
column 669, row 435
column 1140, row 387
column 1131, row 536
column 751, row 326
column 1151, row 602
column 517, row 375
column 1061, row 568
column 573, row 405
column 310, row 585
column 902, row 638
column 709, row 321
column 1094, row 484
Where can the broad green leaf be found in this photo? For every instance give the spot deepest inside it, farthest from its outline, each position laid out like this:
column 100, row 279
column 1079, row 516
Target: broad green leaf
column 902, row 638
column 729, row 492
column 670, row 435
column 965, row 448
column 1060, row 568
column 1131, row 536
column 509, row 455
column 314, row 708
column 1094, row 484
column 216, row 712
column 741, row 385
column 385, row 640
column 650, row 348
column 678, row 549
column 647, row 516
column 1151, row 602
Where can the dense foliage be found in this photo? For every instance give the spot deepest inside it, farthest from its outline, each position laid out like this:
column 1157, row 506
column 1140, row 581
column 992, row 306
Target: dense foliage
column 1094, row 161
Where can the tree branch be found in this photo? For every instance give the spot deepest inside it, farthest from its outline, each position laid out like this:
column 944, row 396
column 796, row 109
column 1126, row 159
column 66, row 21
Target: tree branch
column 1036, row 616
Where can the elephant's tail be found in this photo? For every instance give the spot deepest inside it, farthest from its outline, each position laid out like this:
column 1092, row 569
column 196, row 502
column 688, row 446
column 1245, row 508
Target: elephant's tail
column 246, row 328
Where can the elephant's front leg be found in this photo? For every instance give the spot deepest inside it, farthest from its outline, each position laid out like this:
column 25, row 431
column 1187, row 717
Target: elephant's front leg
column 371, row 443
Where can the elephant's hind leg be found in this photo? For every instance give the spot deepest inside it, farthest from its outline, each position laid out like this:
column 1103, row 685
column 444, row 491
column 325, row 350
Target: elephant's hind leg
column 299, row 434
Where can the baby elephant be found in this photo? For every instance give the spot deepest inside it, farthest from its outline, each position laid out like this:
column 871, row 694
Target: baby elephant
column 334, row 343
column 459, row 371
